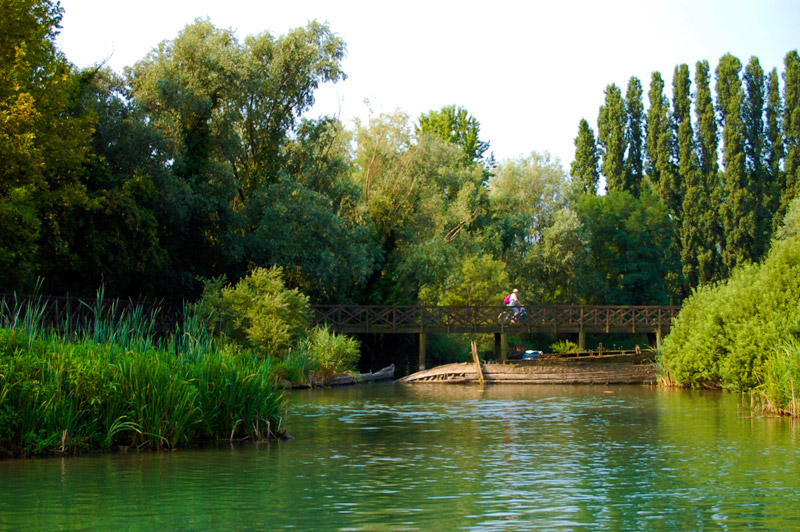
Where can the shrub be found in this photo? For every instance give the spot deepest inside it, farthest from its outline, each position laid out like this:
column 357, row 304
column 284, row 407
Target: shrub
column 329, row 353
column 725, row 333
column 258, row 313
column 564, row 346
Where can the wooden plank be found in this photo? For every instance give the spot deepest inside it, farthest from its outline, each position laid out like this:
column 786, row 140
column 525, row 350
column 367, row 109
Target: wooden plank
column 477, row 361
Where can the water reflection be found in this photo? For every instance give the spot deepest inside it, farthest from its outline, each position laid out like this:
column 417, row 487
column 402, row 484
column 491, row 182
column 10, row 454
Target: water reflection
column 441, row 457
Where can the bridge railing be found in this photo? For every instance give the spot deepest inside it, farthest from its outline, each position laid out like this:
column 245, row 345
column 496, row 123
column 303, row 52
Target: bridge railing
column 486, row 319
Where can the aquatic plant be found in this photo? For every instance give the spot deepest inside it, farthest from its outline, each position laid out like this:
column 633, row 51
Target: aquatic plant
column 112, row 381
column 779, row 391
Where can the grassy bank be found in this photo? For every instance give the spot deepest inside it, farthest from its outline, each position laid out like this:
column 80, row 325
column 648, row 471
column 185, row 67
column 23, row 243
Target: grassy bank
column 114, row 382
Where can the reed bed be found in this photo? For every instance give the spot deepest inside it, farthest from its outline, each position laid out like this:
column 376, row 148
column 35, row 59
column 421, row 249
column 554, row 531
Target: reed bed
column 112, row 382
column 779, row 391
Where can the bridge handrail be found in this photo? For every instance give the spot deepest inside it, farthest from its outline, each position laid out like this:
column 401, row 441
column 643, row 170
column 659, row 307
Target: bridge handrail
column 394, row 317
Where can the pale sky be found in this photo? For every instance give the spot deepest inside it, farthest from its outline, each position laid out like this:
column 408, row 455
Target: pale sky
column 527, row 71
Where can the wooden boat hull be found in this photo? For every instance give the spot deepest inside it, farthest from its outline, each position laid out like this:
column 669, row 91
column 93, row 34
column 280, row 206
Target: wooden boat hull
column 635, row 368
column 386, row 373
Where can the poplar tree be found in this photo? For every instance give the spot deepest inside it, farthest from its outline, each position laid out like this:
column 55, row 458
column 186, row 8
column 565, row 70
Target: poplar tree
column 737, row 213
column 773, row 148
column 659, row 147
column 695, row 199
column 584, row 169
column 611, row 137
column 791, row 128
column 681, row 118
column 709, row 262
column 754, row 145
column 634, row 137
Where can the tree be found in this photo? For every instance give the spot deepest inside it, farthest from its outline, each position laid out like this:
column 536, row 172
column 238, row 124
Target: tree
column 319, row 251
column 773, row 147
column 584, row 168
column 527, row 191
column 707, row 145
column 184, row 88
column 480, row 279
column 659, row 148
column 565, row 251
column 277, row 80
column 695, row 200
column 681, row 119
column 456, row 125
column 630, row 262
column 114, row 233
column 634, row 137
column 611, row 137
column 791, row 129
column 754, row 148
column 707, row 140
column 738, row 207
column 42, row 142
column 425, row 201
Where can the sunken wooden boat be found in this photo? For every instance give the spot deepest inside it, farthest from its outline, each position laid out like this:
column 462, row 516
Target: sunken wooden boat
column 621, row 367
column 346, row 379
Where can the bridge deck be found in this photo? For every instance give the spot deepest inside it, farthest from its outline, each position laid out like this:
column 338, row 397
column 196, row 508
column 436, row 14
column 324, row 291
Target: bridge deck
column 495, row 319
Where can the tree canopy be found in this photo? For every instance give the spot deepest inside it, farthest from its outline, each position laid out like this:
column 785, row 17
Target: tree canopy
column 199, row 162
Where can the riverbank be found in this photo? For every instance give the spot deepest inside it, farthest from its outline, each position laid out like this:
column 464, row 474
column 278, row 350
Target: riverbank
column 618, row 368
column 62, row 397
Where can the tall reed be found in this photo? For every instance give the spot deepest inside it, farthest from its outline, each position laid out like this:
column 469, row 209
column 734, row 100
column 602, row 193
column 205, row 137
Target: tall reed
column 112, row 381
column 779, row 391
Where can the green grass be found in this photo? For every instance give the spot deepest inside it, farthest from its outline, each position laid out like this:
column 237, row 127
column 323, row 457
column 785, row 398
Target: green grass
column 115, row 382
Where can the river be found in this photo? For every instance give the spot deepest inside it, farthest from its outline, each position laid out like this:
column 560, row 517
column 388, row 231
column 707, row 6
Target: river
column 439, row 457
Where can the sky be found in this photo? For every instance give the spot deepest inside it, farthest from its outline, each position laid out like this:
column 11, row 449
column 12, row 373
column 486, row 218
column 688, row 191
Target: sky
column 528, row 71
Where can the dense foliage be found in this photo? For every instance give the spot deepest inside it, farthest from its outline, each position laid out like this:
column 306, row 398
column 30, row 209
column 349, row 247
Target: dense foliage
column 114, row 383
column 197, row 163
column 733, row 333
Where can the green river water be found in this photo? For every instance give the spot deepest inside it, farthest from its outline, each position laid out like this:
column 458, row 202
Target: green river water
column 438, row 457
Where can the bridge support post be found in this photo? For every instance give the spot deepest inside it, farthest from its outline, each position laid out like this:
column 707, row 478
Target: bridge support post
column 582, row 340
column 654, row 339
column 500, row 346
column 421, row 351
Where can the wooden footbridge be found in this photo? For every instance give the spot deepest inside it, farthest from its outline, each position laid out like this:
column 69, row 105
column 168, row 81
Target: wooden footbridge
column 655, row 321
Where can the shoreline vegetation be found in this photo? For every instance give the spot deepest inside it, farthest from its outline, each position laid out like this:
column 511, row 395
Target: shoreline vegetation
column 113, row 382
column 743, row 334
column 200, row 165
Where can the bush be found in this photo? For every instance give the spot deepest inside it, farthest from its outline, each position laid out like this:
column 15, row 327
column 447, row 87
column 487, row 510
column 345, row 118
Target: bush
column 564, row 346
column 330, row 354
column 725, row 333
column 258, row 313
